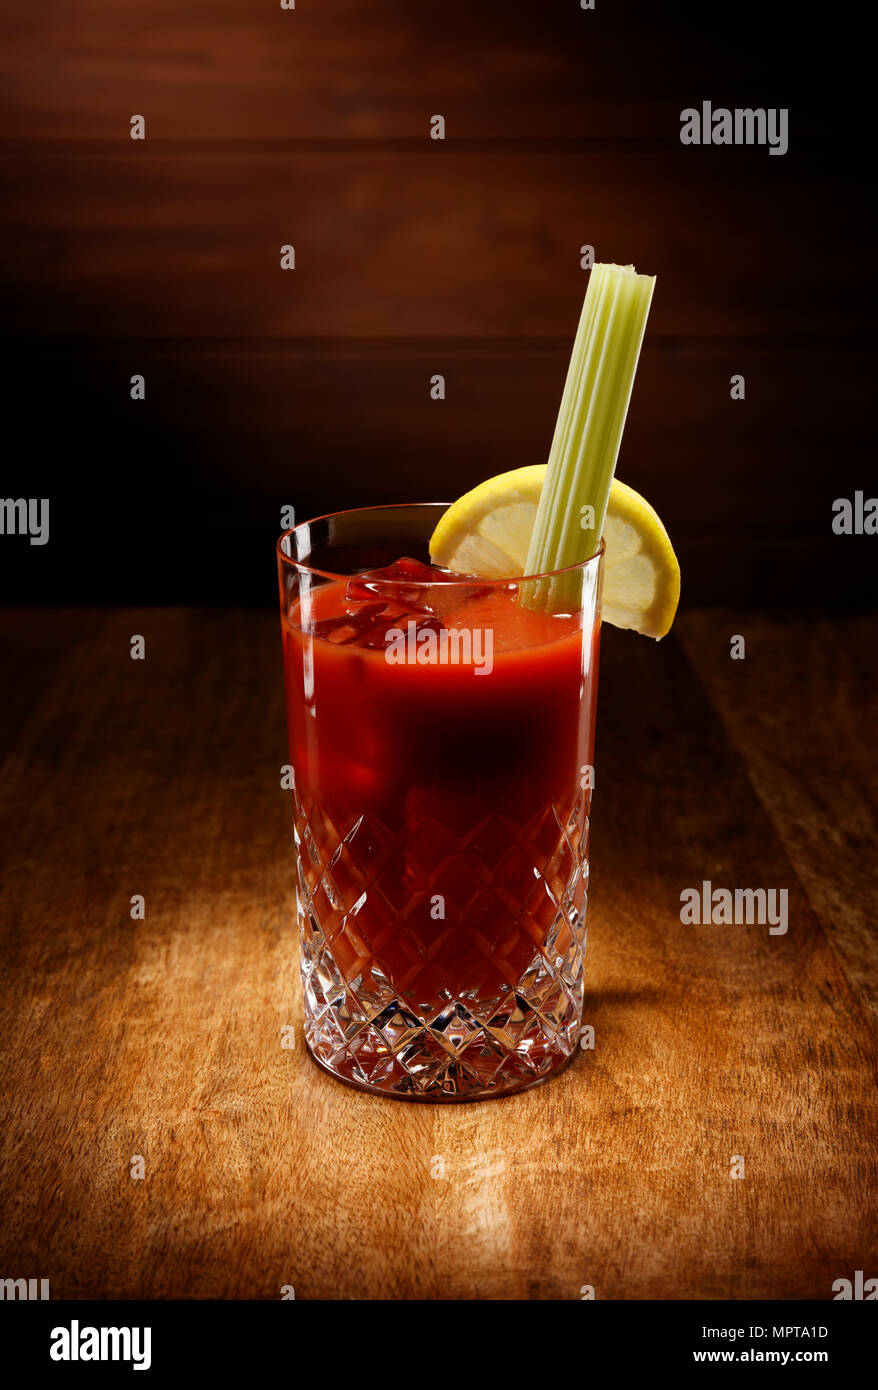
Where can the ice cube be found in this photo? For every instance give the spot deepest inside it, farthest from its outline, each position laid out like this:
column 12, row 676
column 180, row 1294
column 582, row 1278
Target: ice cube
column 421, row 588
column 348, row 627
column 390, row 597
column 385, row 582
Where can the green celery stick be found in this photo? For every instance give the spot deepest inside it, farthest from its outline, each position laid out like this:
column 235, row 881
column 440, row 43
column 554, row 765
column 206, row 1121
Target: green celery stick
column 587, row 434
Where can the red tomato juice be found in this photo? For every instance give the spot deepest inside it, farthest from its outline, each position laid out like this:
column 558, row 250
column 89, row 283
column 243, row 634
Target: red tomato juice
column 441, row 811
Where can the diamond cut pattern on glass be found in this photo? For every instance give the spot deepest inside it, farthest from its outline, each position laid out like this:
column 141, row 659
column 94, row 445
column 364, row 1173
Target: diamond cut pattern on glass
column 482, row 1001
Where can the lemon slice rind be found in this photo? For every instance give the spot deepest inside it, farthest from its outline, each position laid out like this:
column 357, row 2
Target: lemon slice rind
column 487, row 532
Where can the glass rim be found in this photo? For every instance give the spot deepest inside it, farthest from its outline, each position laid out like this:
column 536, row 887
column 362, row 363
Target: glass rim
column 465, row 580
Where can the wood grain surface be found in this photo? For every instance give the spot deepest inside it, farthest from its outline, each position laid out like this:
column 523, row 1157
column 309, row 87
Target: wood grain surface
column 161, row 1038
column 375, row 69
column 436, row 240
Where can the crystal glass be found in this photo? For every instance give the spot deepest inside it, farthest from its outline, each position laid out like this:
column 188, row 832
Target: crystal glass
column 441, row 741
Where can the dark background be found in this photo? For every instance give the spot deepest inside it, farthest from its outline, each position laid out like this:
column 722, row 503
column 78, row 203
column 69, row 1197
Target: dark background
column 415, row 257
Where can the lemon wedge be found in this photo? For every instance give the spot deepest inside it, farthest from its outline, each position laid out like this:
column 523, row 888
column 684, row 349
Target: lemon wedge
column 487, row 532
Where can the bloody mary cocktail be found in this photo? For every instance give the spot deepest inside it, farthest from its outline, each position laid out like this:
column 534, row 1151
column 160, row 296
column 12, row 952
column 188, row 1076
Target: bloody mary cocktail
column 441, row 740
column 441, row 722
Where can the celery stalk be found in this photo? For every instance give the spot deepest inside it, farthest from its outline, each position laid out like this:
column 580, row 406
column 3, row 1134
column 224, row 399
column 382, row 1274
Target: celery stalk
column 588, row 433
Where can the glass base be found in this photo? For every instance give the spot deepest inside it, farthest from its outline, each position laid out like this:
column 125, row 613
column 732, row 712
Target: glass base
column 484, row 1000
column 466, row 1050
column 464, row 1097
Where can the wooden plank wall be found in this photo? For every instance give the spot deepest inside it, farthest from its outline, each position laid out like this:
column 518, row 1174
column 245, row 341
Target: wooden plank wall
column 413, row 257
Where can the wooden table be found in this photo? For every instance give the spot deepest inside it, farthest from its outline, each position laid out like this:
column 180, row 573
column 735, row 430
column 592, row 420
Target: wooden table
column 161, row 1037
